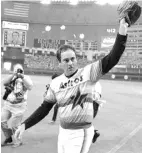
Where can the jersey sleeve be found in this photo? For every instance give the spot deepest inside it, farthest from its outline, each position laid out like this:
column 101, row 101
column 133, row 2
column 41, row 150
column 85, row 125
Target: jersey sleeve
column 93, row 72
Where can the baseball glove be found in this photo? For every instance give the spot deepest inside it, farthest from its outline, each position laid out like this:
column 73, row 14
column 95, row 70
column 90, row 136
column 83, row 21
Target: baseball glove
column 130, row 10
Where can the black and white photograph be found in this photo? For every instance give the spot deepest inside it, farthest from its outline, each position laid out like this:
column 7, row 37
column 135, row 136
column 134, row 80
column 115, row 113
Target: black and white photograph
column 71, row 76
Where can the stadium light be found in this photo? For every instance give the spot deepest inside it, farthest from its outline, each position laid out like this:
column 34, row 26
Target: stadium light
column 101, row 2
column 74, row 35
column 114, row 2
column 48, row 28
column 113, row 76
column 111, row 2
column 45, row 1
column 86, row 1
column 62, row 27
column 74, row 2
column 126, row 77
column 81, row 36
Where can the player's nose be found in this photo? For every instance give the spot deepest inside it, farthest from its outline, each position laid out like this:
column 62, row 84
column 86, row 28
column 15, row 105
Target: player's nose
column 70, row 62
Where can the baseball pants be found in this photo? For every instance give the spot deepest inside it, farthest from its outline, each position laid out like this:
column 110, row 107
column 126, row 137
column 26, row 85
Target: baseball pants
column 75, row 141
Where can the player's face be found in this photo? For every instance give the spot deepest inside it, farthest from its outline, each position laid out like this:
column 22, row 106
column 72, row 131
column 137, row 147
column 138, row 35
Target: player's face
column 68, row 62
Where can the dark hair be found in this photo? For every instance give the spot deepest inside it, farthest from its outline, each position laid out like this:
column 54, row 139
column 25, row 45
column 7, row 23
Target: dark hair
column 63, row 48
column 54, row 76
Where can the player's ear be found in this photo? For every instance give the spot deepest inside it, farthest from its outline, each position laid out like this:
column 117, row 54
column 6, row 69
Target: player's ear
column 60, row 65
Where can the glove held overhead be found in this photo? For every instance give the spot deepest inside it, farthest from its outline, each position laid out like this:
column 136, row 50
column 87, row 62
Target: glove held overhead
column 130, row 10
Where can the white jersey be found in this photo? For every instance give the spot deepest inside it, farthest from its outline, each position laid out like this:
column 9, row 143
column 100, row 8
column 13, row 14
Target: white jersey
column 74, row 96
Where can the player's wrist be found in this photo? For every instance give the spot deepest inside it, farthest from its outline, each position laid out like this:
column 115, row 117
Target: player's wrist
column 23, row 125
column 123, row 27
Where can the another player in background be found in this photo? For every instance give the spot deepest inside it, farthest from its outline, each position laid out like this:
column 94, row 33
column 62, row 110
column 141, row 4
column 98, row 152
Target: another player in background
column 97, row 104
column 15, row 103
column 73, row 93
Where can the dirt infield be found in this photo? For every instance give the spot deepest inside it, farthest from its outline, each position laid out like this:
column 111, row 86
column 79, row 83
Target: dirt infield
column 119, row 121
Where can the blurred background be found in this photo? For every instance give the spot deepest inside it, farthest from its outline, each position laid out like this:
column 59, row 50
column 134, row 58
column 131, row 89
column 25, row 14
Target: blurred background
column 31, row 32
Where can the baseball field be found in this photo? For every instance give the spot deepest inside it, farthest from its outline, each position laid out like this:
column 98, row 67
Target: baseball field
column 119, row 121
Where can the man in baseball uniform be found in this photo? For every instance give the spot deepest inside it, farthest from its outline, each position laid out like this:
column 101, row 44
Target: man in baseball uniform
column 73, row 92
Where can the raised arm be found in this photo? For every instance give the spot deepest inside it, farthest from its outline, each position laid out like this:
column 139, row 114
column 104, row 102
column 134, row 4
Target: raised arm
column 113, row 57
column 101, row 67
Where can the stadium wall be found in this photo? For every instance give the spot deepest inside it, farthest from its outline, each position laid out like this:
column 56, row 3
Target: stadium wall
column 108, row 76
column 97, row 23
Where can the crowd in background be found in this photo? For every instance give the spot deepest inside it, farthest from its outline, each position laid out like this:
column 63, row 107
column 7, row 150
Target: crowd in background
column 50, row 62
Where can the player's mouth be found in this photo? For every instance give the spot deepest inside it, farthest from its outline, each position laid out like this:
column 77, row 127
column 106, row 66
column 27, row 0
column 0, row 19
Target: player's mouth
column 70, row 68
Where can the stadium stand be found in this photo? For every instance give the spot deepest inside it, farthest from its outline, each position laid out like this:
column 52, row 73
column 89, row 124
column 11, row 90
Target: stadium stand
column 38, row 45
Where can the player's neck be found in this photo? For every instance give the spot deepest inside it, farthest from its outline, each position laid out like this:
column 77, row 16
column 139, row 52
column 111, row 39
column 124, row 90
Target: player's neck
column 69, row 76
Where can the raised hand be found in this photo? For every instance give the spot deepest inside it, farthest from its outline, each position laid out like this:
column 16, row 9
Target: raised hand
column 123, row 27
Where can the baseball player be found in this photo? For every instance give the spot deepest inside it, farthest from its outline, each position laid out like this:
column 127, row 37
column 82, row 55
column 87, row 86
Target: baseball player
column 15, row 104
column 73, row 92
